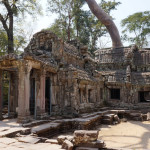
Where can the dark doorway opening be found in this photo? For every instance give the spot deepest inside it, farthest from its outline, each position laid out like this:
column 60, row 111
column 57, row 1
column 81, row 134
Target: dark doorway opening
column 115, row 94
column 89, row 95
column 6, row 94
column 101, row 93
column 144, row 96
column 80, row 97
column 48, row 96
column 32, row 96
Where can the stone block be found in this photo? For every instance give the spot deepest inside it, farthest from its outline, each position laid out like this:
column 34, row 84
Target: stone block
column 144, row 117
column 28, row 139
column 67, row 145
column 85, row 136
column 85, row 148
column 52, row 141
column 62, row 138
column 95, row 144
column 116, row 118
column 108, row 119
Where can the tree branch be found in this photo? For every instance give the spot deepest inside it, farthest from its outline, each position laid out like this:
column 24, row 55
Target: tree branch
column 4, row 23
column 107, row 21
column 7, row 5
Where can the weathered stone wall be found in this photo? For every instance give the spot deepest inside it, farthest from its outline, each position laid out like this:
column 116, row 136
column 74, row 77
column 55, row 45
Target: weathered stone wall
column 126, row 69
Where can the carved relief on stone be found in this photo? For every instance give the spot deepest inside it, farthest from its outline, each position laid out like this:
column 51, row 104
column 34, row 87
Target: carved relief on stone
column 128, row 74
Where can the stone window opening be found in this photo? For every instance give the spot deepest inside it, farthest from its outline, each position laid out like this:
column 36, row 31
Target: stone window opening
column 48, row 46
column 144, row 96
column 115, row 94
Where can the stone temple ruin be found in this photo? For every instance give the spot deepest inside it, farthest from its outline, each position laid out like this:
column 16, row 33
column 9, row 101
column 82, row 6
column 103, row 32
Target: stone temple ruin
column 53, row 77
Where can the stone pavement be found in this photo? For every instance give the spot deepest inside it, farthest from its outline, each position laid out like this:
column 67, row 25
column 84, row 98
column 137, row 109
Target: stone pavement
column 14, row 144
column 10, row 128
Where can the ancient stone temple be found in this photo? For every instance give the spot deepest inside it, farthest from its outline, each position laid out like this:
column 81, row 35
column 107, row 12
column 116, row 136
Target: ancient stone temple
column 53, row 77
column 126, row 76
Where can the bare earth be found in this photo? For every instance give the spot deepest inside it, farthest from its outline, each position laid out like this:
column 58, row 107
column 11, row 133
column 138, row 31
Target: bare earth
column 129, row 135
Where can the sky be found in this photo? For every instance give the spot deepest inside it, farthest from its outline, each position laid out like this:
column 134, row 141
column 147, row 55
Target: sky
column 126, row 8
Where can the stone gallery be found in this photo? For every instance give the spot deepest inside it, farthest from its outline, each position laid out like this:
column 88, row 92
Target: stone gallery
column 53, row 77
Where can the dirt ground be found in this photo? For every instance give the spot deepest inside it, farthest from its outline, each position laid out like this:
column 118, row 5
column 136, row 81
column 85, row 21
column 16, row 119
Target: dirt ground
column 129, row 135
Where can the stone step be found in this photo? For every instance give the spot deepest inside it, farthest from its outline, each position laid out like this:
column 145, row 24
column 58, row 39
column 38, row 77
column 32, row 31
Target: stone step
column 35, row 123
column 11, row 132
column 47, row 130
column 96, row 144
column 28, row 139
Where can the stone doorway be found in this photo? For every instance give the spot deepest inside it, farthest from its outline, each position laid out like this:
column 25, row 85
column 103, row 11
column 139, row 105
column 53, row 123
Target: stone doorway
column 48, row 96
column 9, row 93
column 6, row 94
column 32, row 96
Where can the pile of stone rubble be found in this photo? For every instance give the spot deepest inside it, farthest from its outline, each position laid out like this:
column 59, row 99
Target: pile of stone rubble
column 81, row 140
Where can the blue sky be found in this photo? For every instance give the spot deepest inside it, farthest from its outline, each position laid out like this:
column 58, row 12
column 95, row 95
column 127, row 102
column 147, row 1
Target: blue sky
column 125, row 9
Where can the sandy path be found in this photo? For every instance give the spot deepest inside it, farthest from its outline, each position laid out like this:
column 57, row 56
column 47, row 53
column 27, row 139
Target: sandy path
column 133, row 135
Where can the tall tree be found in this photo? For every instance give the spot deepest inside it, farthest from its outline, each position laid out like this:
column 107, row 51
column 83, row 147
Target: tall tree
column 105, row 19
column 10, row 11
column 85, row 27
column 138, row 25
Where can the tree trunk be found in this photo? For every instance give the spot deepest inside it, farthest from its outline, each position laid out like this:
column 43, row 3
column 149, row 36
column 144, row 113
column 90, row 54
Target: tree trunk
column 69, row 25
column 10, row 35
column 107, row 21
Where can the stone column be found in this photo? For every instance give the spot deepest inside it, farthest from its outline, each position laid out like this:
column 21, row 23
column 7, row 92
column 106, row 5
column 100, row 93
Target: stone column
column 1, row 97
column 42, row 91
column 24, row 93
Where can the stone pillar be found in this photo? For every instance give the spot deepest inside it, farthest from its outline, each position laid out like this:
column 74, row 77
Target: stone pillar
column 1, row 94
column 42, row 91
column 24, row 93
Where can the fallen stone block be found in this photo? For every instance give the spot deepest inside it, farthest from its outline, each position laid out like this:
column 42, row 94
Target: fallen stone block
column 144, row 117
column 85, row 136
column 52, row 141
column 95, row 144
column 13, row 131
column 108, row 119
column 132, row 115
column 62, row 138
column 28, row 139
column 85, row 148
column 67, row 145
column 116, row 118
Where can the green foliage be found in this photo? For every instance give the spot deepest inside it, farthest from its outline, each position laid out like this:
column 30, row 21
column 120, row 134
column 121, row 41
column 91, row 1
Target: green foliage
column 3, row 42
column 139, row 25
column 74, row 22
column 12, row 15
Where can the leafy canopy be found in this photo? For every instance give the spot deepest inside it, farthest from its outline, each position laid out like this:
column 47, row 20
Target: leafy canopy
column 12, row 17
column 138, row 26
column 75, row 22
